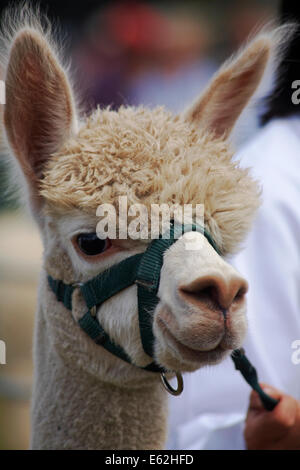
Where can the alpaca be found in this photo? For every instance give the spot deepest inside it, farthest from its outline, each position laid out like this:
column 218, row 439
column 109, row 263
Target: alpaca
column 84, row 397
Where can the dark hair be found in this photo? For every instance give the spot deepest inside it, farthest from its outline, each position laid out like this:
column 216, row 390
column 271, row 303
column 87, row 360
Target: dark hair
column 279, row 102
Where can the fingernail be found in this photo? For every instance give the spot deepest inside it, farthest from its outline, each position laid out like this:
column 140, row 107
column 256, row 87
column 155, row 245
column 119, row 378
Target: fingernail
column 268, row 390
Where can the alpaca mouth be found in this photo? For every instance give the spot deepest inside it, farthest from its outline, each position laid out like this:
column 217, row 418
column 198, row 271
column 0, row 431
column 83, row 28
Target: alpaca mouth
column 184, row 352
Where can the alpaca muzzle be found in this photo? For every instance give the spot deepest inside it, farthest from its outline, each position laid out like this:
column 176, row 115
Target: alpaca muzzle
column 142, row 269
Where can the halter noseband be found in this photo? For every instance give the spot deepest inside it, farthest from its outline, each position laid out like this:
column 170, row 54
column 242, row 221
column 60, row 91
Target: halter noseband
column 142, row 269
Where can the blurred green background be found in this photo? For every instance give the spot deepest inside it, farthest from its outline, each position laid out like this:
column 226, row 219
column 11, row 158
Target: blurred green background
column 125, row 53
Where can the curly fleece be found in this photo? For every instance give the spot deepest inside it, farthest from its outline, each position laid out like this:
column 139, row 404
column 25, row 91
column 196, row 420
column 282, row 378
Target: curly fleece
column 152, row 156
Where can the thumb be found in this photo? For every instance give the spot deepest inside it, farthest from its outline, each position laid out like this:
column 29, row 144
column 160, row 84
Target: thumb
column 270, row 425
column 255, row 401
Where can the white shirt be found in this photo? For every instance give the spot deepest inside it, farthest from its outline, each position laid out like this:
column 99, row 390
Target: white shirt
column 211, row 411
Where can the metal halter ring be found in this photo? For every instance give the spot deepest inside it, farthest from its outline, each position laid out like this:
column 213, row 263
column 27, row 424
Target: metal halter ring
column 169, row 388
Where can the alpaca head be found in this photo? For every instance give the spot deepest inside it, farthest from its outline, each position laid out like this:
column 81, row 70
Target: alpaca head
column 71, row 166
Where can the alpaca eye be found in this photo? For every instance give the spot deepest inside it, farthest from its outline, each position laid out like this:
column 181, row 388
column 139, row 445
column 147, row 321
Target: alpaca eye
column 91, row 245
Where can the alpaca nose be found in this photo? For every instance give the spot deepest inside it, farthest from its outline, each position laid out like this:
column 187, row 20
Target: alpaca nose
column 215, row 292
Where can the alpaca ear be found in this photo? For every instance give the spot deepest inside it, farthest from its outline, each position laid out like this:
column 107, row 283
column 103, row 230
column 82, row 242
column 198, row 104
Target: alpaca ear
column 39, row 114
column 219, row 107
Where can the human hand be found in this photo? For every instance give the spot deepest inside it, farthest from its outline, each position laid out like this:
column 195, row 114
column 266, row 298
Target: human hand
column 278, row 429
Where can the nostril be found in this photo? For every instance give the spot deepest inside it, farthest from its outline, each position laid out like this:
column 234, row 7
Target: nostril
column 240, row 294
column 200, row 299
column 202, row 292
column 239, row 290
column 214, row 292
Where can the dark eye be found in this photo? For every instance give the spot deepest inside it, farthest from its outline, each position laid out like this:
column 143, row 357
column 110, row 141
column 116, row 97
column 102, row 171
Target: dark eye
column 91, row 245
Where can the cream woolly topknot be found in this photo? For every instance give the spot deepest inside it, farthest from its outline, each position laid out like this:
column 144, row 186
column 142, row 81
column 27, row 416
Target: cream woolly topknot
column 151, row 157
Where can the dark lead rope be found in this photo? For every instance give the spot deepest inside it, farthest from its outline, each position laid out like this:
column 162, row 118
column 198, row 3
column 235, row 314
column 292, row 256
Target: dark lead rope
column 142, row 269
column 249, row 373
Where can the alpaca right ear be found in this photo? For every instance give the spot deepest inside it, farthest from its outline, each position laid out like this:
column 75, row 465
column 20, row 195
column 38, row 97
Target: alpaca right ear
column 219, row 107
column 39, row 114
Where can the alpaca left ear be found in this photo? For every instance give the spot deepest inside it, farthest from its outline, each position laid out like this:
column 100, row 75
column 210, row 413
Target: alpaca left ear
column 219, row 107
column 39, row 114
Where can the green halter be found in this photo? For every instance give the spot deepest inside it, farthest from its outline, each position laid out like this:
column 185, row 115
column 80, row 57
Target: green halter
column 142, row 269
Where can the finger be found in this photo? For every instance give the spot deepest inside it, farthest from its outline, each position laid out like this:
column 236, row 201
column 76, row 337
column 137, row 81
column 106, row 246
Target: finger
column 255, row 401
column 272, row 391
column 284, row 414
column 265, row 428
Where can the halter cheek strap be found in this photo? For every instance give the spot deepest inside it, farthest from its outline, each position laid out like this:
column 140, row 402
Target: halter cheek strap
column 142, row 269
column 95, row 292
